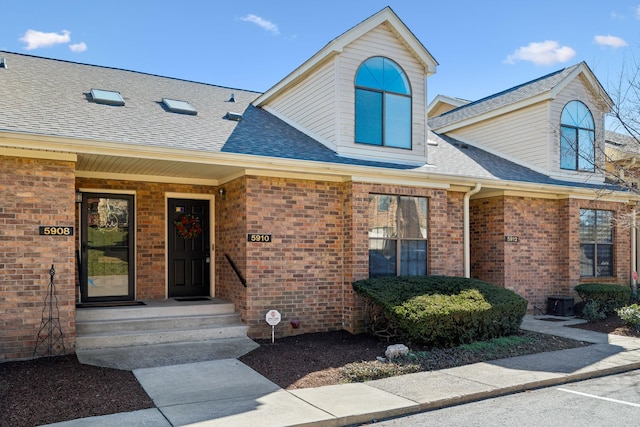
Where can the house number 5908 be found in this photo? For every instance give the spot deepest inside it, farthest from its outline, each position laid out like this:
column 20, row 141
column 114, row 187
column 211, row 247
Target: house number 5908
column 52, row 230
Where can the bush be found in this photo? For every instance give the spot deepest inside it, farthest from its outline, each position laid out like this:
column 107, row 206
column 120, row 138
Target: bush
column 631, row 315
column 444, row 311
column 610, row 297
column 593, row 311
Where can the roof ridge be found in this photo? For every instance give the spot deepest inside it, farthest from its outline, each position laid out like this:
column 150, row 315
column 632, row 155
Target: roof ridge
column 123, row 69
column 511, row 89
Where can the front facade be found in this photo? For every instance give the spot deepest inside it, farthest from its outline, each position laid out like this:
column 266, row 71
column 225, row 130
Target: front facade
column 155, row 188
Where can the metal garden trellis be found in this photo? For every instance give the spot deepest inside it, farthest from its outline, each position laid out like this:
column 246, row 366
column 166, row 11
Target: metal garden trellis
column 50, row 342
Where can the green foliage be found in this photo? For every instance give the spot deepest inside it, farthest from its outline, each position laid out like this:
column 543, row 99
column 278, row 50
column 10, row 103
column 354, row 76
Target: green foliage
column 496, row 345
column 417, row 361
column 631, row 315
column 610, row 297
column 594, row 311
column 445, row 311
column 374, row 370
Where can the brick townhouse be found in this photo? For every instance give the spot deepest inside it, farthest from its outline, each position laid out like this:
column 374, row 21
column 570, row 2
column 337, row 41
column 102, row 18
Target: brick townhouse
column 139, row 187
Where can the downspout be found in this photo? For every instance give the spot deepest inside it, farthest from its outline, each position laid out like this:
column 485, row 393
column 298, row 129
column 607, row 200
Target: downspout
column 634, row 251
column 467, row 238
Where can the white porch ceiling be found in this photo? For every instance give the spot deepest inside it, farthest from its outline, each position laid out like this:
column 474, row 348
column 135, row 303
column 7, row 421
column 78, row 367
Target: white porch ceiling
column 94, row 165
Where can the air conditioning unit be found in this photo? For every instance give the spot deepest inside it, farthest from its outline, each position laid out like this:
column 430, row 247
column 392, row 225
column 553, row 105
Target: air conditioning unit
column 560, row 306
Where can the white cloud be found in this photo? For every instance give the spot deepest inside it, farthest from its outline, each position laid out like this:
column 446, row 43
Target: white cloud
column 547, row 52
column 37, row 39
column 616, row 16
column 637, row 12
column 78, row 47
column 261, row 22
column 612, row 41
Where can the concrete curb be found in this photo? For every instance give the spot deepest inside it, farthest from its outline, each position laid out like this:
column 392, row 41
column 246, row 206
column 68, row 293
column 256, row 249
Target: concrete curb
column 227, row 392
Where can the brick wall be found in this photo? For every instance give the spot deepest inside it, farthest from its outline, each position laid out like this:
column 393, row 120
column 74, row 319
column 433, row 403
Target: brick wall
column 531, row 265
column 356, row 255
column 486, row 235
column 546, row 259
column 299, row 273
column 34, row 193
column 231, row 240
column 320, row 246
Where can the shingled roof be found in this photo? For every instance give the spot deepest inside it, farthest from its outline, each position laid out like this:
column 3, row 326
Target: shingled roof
column 507, row 97
column 49, row 97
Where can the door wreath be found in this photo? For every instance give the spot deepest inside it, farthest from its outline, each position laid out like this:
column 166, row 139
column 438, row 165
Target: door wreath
column 188, row 226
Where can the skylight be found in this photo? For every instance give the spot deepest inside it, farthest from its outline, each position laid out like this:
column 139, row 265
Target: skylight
column 106, row 97
column 182, row 107
column 233, row 116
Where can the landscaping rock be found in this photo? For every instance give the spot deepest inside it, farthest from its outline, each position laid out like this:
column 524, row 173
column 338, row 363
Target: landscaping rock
column 396, row 350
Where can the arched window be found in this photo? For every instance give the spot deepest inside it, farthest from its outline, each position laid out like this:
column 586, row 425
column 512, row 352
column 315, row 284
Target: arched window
column 577, row 138
column 383, row 104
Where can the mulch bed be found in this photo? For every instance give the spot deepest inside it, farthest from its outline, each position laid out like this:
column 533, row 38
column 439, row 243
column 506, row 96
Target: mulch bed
column 45, row 391
column 611, row 325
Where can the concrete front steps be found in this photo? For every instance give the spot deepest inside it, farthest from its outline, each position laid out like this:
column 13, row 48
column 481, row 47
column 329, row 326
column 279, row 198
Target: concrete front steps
column 162, row 332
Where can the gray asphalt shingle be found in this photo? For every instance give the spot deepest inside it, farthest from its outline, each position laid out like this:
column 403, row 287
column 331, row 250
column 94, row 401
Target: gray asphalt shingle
column 501, row 99
column 50, row 97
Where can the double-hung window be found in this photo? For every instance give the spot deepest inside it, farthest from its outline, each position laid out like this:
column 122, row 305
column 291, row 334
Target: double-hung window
column 397, row 235
column 596, row 243
column 577, row 138
column 382, row 104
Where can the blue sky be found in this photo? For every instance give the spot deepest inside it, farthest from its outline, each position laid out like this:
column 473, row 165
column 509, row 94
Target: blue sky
column 482, row 47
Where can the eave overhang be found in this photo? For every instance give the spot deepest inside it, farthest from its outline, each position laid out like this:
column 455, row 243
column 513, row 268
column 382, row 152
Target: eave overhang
column 102, row 159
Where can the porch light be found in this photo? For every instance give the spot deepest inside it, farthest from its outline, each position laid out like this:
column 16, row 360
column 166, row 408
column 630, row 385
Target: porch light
column 78, row 197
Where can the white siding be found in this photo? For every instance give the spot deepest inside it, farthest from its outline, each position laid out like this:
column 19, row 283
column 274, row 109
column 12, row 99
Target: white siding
column 531, row 136
column 520, row 135
column 310, row 103
column 322, row 104
column 380, row 42
column 576, row 91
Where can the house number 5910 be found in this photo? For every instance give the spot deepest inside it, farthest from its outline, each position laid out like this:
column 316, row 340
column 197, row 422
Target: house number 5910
column 264, row 238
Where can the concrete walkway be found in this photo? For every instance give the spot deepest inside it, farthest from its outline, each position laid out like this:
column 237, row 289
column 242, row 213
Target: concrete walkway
column 228, row 393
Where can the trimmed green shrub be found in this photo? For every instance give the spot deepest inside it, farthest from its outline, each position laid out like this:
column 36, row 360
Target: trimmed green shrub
column 610, row 297
column 593, row 311
column 445, row 311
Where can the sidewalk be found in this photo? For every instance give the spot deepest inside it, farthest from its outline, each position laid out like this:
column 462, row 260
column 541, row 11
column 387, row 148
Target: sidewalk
column 239, row 396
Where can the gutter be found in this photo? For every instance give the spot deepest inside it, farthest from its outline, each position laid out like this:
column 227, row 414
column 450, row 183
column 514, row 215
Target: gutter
column 467, row 239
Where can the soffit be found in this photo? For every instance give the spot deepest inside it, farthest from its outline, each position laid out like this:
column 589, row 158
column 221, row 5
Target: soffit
column 92, row 164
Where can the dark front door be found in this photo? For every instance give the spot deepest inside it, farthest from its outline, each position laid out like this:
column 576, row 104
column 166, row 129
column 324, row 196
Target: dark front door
column 189, row 248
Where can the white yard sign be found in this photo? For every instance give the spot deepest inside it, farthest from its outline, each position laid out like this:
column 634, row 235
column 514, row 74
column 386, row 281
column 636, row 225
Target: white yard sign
column 273, row 317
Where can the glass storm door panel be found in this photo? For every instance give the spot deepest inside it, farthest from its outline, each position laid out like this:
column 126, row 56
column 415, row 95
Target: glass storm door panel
column 107, row 257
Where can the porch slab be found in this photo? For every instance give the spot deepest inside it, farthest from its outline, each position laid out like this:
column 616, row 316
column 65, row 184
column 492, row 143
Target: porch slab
column 156, row 355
